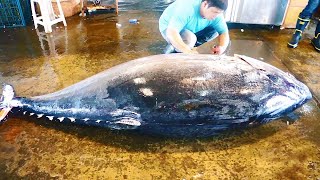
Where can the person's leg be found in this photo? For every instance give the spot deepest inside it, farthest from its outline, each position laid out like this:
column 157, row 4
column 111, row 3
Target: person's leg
column 309, row 9
column 316, row 40
column 302, row 22
column 206, row 35
column 169, row 48
column 188, row 37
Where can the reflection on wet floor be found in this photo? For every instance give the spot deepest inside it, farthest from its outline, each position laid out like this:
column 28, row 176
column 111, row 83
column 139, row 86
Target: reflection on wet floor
column 47, row 42
column 36, row 63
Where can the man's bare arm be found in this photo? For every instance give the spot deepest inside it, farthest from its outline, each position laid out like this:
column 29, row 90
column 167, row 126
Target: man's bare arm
column 224, row 40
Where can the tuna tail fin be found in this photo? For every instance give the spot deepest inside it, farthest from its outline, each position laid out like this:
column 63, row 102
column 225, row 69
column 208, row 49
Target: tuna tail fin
column 5, row 101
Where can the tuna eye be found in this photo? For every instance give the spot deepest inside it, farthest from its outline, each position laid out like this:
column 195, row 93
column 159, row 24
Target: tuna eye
column 273, row 78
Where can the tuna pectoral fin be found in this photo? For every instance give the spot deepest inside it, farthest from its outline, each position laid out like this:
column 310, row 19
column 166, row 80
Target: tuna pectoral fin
column 129, row 121
column 126, row 123
column 3, row 113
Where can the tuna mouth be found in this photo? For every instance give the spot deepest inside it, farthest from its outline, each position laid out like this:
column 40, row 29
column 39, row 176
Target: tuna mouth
column 304, row 94
column 285, row 103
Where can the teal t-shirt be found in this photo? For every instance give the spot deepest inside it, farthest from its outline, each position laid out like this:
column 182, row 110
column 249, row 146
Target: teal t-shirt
column 185, row 14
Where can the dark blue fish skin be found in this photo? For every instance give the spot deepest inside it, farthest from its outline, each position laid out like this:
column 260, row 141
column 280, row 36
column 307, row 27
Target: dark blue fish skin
column 176, row 95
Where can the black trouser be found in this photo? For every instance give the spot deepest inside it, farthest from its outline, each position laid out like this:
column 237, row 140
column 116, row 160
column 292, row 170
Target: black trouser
column 205, row 35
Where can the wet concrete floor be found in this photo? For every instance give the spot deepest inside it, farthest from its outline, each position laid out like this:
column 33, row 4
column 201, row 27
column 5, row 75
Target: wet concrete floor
column 36, row 63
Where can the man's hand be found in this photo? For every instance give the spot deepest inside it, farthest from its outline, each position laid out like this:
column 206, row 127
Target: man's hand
column 224, row 41
column 218, row 50
column 193, row 51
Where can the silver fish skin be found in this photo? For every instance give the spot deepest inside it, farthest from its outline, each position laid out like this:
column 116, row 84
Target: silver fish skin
column 175, row 95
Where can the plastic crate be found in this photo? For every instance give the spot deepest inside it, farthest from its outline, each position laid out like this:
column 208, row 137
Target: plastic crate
column 14, row 13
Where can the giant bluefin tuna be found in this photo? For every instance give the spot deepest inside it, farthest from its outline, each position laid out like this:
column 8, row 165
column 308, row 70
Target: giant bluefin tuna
column 173, row 95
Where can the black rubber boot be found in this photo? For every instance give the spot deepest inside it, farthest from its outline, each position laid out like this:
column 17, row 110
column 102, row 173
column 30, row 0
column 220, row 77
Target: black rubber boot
column 296, row 37
column 316, row 40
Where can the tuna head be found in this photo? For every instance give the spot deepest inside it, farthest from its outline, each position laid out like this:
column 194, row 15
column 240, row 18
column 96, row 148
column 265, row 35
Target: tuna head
column 287, row 93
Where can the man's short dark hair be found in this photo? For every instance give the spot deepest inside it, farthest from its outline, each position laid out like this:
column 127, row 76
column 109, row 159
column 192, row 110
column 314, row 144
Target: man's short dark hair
column 221, row 4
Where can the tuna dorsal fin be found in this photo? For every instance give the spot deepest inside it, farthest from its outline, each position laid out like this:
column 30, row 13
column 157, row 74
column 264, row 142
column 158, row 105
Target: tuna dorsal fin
column 248, row 61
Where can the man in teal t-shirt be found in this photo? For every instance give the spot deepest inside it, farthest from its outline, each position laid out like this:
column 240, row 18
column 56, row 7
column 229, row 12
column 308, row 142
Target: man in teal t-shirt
column 188, row 23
